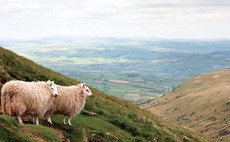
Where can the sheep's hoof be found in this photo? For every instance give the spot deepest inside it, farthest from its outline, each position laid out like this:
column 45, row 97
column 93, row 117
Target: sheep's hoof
column 50, row 122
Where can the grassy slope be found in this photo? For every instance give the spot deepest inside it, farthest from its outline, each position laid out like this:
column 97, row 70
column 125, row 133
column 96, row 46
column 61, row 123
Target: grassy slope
column 201, row 103
column 115, row 119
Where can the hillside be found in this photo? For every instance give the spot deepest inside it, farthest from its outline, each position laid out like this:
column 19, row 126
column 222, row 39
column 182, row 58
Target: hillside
column 201, row 103
column 116, row 120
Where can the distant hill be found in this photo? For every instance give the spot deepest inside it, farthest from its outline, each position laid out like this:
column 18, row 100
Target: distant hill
column 201, row 103
column 116, row 120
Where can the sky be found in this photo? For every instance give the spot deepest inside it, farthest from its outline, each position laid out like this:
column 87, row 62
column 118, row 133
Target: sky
column 172, row 19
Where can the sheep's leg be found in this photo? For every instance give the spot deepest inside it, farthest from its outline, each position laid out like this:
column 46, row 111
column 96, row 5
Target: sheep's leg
column 64, row 120
column 33, row 120
column 37, row 122
column 19, row 120
column 20, row 112
column 49, row 120
column 69, row 121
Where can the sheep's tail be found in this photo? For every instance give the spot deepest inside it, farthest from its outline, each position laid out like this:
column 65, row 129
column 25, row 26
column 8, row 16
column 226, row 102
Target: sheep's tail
column 6, row 103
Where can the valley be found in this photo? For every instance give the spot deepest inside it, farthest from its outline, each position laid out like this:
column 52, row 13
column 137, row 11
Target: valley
column 151, row 67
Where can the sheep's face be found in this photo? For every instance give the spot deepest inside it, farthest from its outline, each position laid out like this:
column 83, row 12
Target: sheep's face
column 87, row 91
column 54, row 89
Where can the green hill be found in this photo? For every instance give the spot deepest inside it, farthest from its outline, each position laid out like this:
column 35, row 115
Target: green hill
column 116, row 120
column 201, row 103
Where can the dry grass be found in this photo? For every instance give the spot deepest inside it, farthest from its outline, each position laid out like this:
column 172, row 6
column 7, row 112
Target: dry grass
column 201, row 103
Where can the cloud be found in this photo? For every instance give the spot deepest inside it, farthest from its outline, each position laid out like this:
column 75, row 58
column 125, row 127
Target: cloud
column 111, row 10
column 110, row 17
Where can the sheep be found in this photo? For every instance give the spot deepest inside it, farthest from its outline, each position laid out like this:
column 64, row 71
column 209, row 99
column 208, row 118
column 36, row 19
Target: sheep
column 20, row 98
column 71, row 100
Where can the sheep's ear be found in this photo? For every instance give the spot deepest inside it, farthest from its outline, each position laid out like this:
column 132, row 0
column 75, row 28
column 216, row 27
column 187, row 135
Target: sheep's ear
column 84, row 85
column 51, row 83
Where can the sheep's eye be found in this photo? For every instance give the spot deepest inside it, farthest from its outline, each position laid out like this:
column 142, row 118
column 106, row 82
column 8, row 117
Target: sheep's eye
column 52, row 88
column 87, row 90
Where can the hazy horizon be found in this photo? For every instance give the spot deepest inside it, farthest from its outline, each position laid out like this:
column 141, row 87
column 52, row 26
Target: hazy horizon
column 43, row 38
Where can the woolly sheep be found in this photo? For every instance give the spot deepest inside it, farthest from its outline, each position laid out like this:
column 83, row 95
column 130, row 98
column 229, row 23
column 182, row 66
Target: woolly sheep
column 71, row 100
column 21, row 98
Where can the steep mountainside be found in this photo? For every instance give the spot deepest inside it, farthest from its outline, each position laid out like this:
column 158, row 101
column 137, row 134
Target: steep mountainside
column 116, row 120
column 201, row 103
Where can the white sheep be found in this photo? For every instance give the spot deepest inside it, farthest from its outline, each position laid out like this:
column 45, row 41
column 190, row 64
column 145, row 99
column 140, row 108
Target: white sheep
column 70, row 101
column 20, row 98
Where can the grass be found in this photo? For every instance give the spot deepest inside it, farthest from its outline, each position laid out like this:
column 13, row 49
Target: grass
column 116, row 120
column 46, row 133
column 10, row 131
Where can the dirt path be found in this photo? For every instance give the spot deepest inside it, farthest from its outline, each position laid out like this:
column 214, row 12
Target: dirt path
column 60, row 134
column 38, row 138
column 41, row 139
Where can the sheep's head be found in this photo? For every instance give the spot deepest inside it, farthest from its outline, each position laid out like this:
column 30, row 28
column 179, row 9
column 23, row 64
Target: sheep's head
column 54, row 88
column 85, row 89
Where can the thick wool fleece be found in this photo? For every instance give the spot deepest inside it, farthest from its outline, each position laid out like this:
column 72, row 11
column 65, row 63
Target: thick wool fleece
column 70, row 101
column 21, row 98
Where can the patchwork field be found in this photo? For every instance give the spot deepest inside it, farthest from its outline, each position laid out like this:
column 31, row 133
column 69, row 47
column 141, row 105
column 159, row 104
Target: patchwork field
column 144, row 90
